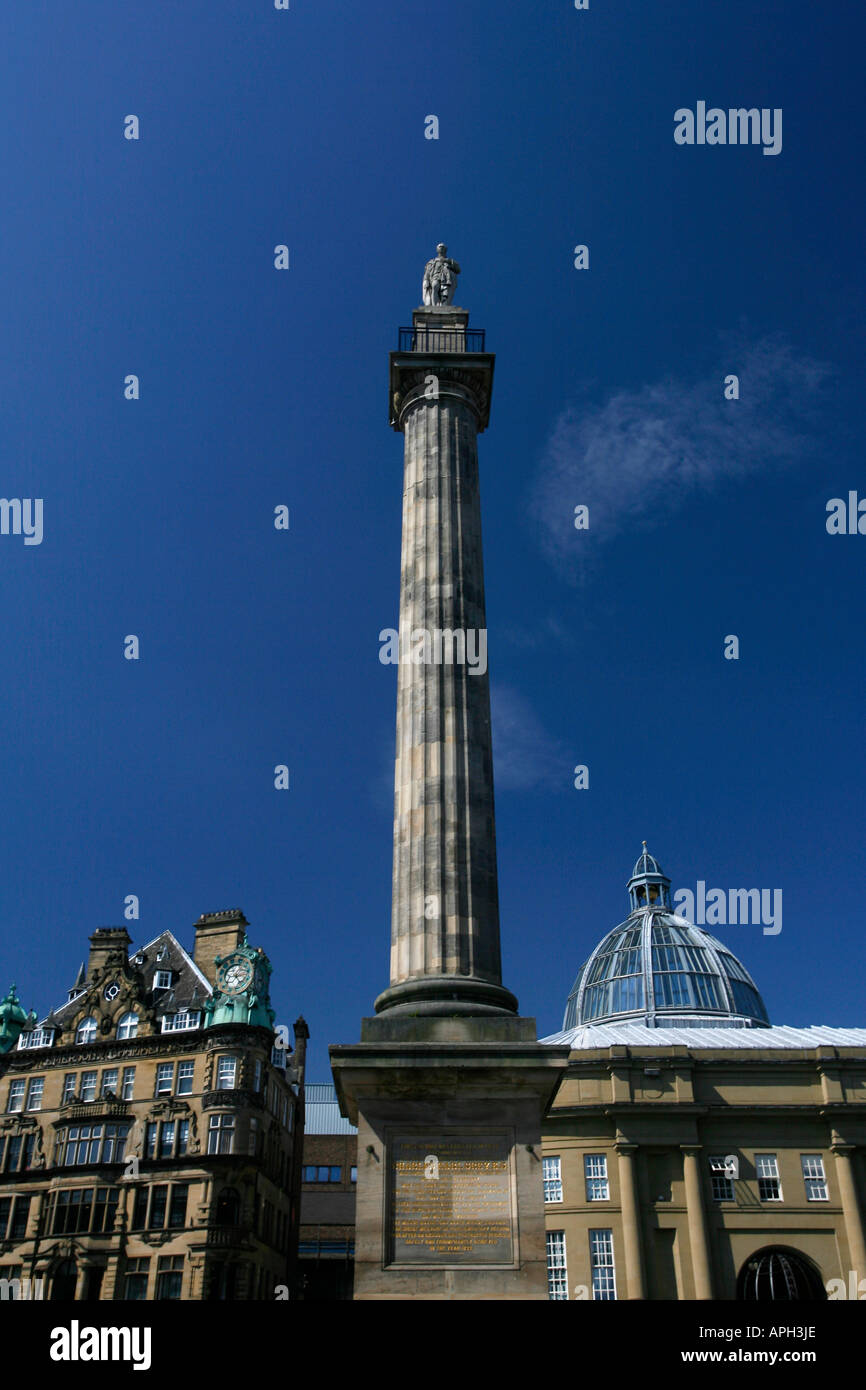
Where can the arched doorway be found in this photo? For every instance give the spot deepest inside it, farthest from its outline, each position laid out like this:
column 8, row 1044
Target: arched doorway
column 778, row 1273
column 63, row 1282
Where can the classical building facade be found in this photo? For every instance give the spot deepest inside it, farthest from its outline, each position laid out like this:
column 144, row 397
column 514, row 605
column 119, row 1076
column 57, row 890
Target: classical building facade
column 151, row 1127
column 692, row 1150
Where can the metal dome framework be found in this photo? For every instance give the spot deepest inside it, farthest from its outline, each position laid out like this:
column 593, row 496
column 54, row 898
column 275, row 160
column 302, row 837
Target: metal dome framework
column 660, row 970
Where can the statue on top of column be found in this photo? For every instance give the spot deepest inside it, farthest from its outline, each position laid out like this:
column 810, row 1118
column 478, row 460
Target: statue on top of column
column 440, row 278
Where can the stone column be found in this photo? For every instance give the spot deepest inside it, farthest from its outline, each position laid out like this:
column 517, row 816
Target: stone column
column 631, row 1220
column 445, row 905
column 851, row 1206
column 697, row 1219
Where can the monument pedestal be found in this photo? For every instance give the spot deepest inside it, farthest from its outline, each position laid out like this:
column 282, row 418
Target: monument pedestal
column 450, row 1200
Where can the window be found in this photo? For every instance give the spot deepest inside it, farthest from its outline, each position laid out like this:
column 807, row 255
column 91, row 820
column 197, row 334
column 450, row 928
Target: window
column 77, row 1209
column 257, row 1075
column 595, row 1175
column 177, row 1206
column 221, row 1134
column 162, row 979
column 16, row 1096
column 152, row 1204
column 150, row 1133
column 181, row 1022
column 767, row 1169
column 321, row 1173
column 228, row 1207
column 135, row 1279
column 158, row 1202
column 722, row 1181
column 91, row 1144
column 20, row 1214
column 253, row 1139
column 226, row 1072
column 164, row 1079
column 185, row 1073
column 169, row 1276
column 139, row 1210
column 552, row 1175
column 86, row 1031
column 128, row 1086
column 814, row 1177
column 36, row 1037
column 68, row 1087
column 108, row 1084
column 166, row 1139
column 128, row 1026
column 182, row 1136
column 19, row 1153
column 353, row 1174
column 557, row 1272
column 19, row 1207
column 87, row 1091
column 601, row 1263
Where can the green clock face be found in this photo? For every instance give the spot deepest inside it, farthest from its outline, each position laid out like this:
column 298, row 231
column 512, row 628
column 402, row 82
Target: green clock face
column 235, row 975
column 261, row 980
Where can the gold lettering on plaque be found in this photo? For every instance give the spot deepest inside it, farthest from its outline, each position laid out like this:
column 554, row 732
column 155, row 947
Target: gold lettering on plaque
column 451, row 1200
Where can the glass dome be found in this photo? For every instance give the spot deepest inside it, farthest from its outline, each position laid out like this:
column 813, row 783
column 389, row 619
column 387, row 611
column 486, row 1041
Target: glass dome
column 659, row 970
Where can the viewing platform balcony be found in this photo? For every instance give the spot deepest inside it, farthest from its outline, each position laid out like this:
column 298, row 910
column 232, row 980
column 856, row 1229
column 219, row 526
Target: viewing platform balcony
column 455, row 338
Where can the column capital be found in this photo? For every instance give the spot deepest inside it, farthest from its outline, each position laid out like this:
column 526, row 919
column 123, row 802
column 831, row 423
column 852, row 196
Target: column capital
column 691, row 1148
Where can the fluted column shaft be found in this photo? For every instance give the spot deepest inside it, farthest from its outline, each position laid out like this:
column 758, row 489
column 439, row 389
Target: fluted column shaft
column 445, row 903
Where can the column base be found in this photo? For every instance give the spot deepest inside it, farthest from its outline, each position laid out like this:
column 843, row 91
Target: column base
column 447, row 995
column 449, row 1201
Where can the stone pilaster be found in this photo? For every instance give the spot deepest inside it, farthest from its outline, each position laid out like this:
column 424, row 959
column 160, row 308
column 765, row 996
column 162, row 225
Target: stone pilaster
column 845, row 1175
column 697, row 1219
column 631, row 1220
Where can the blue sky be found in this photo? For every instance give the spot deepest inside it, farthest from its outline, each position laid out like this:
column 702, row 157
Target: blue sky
column 259, row 387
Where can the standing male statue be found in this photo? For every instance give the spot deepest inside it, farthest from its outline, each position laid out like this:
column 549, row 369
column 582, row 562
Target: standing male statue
column 440, row 278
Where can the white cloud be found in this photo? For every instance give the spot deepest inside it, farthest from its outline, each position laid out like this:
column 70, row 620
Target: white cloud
column 524, row 754
column 643, row 453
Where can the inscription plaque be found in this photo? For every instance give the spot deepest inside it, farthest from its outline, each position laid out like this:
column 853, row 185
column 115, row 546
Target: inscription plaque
column 451, row 1199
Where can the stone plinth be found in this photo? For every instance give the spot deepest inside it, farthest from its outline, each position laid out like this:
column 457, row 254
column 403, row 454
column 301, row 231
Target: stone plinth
column 450, row 1195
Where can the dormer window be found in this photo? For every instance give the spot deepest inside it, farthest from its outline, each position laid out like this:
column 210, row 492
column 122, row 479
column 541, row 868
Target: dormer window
column 128, row 1026
column 86, row 1031
column 162, row 979
column 182, row 1021
column 39, row 1037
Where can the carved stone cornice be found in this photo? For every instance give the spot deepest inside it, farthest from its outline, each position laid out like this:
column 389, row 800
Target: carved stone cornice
column 232, row 1100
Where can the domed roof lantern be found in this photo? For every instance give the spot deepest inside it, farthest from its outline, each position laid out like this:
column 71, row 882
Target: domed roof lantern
column 648, row 885
column 660, row 971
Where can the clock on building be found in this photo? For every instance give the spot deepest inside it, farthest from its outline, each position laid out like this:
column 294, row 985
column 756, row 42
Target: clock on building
column 235, row 974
